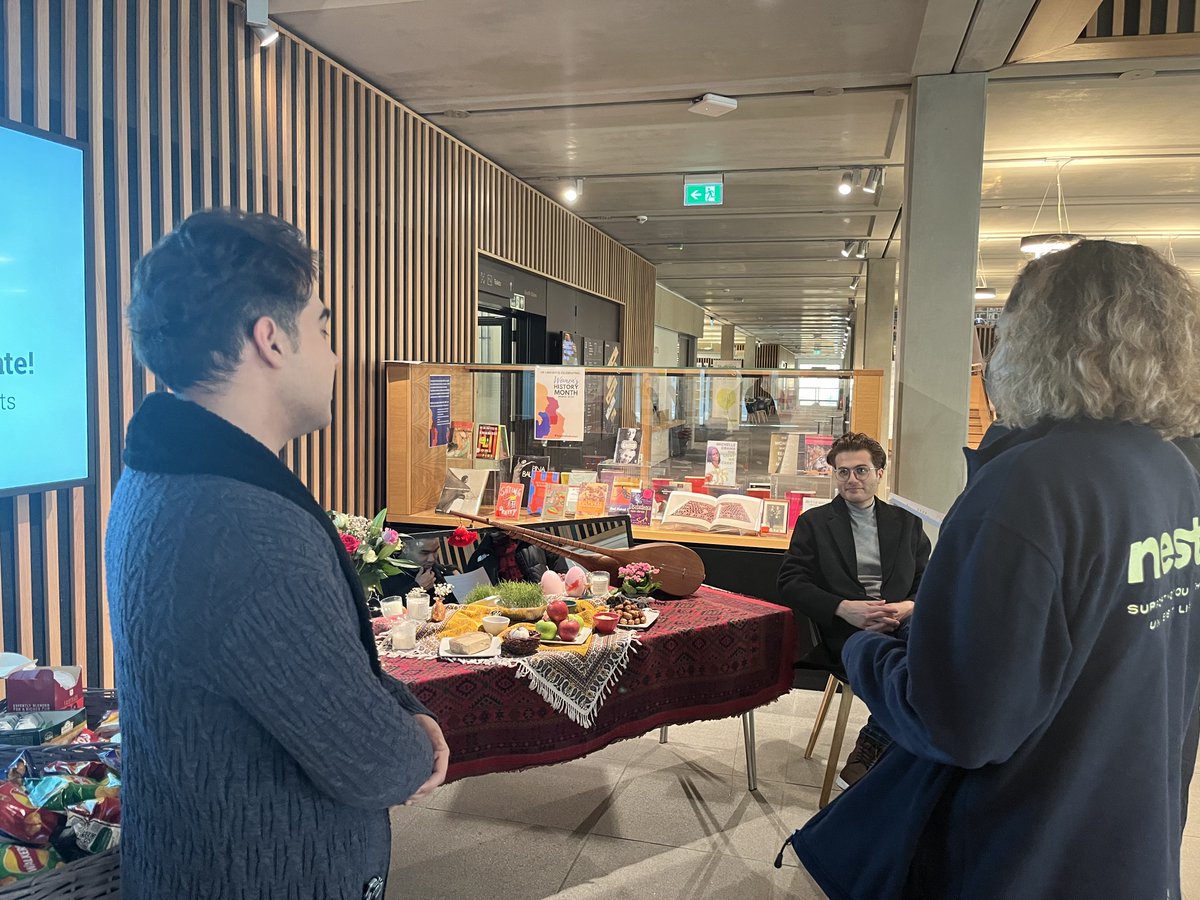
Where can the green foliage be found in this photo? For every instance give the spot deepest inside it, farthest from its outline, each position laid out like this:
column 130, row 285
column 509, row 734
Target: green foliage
column 512, row 594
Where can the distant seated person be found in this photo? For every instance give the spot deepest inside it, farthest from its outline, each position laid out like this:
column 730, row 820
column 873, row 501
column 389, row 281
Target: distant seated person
column 760, row 405
column 423, row 551
column 855, row 564
column 504, row 558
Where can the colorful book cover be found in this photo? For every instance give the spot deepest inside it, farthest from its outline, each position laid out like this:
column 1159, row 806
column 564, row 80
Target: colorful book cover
column 523, row 468
column 508, row 500
column 538, row 484
column 593, row 500
column 463, row 490
column 461, row 440
column 720, row 462
column 816, row 448
column 555, row 505
column 621, row 496
column 487, row 442
column 641, row 507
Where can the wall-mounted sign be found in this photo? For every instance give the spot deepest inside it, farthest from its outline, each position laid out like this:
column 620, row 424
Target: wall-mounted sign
column 703, row 190
column 517, row 301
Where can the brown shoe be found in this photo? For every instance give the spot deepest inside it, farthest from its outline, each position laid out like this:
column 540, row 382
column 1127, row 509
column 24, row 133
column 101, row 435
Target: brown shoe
column 865, row 754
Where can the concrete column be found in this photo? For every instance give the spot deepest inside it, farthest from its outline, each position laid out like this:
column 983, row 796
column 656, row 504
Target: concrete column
column 943, row 173
column 728, row 342
column 878, row 317
column 860, row 335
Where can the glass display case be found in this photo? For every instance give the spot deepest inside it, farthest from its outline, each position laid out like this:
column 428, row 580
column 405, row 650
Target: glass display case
column 727, row 456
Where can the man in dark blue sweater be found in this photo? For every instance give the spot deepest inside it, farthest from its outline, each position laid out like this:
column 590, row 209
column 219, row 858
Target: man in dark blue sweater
column 1040, row 705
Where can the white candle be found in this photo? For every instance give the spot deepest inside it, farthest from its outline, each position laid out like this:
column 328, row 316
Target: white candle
column 598, row 582
column 392, row 606
column 404, row 635
column 418, row 608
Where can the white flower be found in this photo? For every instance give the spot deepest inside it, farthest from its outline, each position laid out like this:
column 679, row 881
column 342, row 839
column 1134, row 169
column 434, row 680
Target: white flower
column 369, row 556
column 443, row 590
column 358, row 526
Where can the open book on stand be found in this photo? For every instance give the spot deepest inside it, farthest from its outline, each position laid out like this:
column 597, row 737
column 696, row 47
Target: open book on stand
column 731, row 513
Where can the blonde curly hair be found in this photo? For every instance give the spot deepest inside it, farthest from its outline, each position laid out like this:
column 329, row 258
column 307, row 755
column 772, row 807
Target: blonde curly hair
column 1100, row 331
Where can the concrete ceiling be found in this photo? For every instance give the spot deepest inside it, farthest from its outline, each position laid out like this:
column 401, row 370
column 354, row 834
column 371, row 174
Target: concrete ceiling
column 563, row 89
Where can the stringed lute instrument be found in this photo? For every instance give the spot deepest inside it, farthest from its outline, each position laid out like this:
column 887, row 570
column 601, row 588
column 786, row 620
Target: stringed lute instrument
column 680, row 568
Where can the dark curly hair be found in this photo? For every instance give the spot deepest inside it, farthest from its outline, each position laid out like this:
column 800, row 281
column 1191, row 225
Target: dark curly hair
column 198, row 293
column 852, row 442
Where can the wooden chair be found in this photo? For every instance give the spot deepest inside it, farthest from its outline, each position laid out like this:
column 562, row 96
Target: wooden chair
column 839, row 732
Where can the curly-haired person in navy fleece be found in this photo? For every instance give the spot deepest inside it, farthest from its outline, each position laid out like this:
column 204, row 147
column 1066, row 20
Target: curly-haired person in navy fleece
column 1040, row 708
column 263, row 745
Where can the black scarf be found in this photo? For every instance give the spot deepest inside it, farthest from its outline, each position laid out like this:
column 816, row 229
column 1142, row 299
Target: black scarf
column 171, row 436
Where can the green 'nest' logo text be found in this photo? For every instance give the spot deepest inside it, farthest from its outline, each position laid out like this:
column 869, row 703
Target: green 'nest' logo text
column 1171, row 550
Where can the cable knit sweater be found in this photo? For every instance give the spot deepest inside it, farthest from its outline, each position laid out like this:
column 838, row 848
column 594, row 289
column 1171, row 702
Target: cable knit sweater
column 261, row 749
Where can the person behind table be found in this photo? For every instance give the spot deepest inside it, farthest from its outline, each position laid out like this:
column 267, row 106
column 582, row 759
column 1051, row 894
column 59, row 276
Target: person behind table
column 855, row 564
column 1040, row 705
column 260, row 734
column 422, row 551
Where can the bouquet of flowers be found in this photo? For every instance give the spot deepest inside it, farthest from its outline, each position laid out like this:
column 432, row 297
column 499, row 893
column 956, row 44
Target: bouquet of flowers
column 638, row 578
column 372, row 548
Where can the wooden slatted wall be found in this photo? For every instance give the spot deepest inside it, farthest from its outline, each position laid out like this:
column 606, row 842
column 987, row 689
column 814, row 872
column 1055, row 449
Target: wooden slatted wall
column 182, row 110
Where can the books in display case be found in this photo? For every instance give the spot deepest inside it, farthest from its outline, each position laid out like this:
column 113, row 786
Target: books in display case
column 508, row 500
column 463, row 490
column 730, row 513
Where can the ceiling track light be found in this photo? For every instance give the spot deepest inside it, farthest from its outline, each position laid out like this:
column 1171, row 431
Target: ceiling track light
column 573, row 190
column 854, row 283
column 874, row 180
column 258, row 20
column 861, row 252
column 847, row 248
column 847, row 183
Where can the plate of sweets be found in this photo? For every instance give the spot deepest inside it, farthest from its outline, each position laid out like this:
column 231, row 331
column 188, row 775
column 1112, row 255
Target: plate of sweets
column 633, row 614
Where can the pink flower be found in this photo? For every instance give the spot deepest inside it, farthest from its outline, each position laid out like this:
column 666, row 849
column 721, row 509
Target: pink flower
column 391, row 536
column 351, row 543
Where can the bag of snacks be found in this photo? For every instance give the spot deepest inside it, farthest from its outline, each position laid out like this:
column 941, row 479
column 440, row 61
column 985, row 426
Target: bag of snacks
column 57, row 792
column 18, row 863
column 20, row 818
column 96, row 824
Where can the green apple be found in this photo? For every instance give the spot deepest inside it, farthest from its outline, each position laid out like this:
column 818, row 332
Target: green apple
column 576, row 617
column 547, row 629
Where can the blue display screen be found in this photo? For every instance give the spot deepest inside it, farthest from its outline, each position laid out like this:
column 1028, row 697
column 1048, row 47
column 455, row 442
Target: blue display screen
column 44, row 362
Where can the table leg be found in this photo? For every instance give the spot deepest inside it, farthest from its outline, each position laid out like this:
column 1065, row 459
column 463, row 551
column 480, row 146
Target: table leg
column 662, row 735
column 751, row 751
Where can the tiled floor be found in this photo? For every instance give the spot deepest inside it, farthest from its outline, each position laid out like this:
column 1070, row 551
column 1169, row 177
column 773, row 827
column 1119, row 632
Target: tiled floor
column 640, row 819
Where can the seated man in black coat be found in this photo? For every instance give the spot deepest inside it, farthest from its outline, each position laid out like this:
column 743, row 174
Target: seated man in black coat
column 855, row 564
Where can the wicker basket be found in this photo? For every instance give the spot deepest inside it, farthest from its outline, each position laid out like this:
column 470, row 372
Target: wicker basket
column 85, row 879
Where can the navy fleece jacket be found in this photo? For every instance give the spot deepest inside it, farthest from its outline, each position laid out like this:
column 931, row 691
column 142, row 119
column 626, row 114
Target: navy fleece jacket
column 1047, row 684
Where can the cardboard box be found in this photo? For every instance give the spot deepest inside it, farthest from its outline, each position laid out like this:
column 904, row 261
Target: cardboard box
column 38, row 690
column 51, row 725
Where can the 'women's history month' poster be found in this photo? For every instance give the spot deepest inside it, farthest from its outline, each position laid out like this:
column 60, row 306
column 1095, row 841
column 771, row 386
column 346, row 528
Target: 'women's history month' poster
column 558, row 399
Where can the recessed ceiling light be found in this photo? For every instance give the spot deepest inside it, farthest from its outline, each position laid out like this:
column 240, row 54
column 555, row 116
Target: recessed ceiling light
column 1137, row 75
column 674, row 246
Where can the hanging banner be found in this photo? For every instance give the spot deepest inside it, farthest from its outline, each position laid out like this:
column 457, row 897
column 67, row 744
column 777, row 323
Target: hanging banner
column 439, row 410
column 558, row 399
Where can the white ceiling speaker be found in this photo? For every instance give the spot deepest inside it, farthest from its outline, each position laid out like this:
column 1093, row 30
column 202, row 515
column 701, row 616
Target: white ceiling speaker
column 258, row 20
column 712, row 105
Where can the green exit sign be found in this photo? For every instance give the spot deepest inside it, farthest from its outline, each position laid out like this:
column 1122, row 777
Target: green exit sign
column 706, row 193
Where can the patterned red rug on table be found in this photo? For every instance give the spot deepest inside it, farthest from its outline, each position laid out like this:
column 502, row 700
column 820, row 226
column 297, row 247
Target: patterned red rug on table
column 709, row 656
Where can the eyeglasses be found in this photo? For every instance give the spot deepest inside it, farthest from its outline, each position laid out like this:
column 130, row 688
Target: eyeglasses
column 860, row 472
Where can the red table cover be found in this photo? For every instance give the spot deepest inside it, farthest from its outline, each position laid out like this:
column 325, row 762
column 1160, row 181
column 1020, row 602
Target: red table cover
column 709, row 656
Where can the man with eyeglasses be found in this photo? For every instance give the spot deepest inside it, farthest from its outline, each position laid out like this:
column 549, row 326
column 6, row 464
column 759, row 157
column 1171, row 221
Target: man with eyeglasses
column 854, row 565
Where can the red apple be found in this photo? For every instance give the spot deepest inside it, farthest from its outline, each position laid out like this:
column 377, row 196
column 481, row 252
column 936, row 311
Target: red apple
column 568, row 630
column 556, row 610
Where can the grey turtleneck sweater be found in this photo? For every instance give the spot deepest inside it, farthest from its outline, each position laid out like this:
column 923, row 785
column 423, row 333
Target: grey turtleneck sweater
column 866, row 548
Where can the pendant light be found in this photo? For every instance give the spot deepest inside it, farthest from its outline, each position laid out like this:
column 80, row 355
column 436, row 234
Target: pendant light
column 1041, row 243
column 982, row 291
